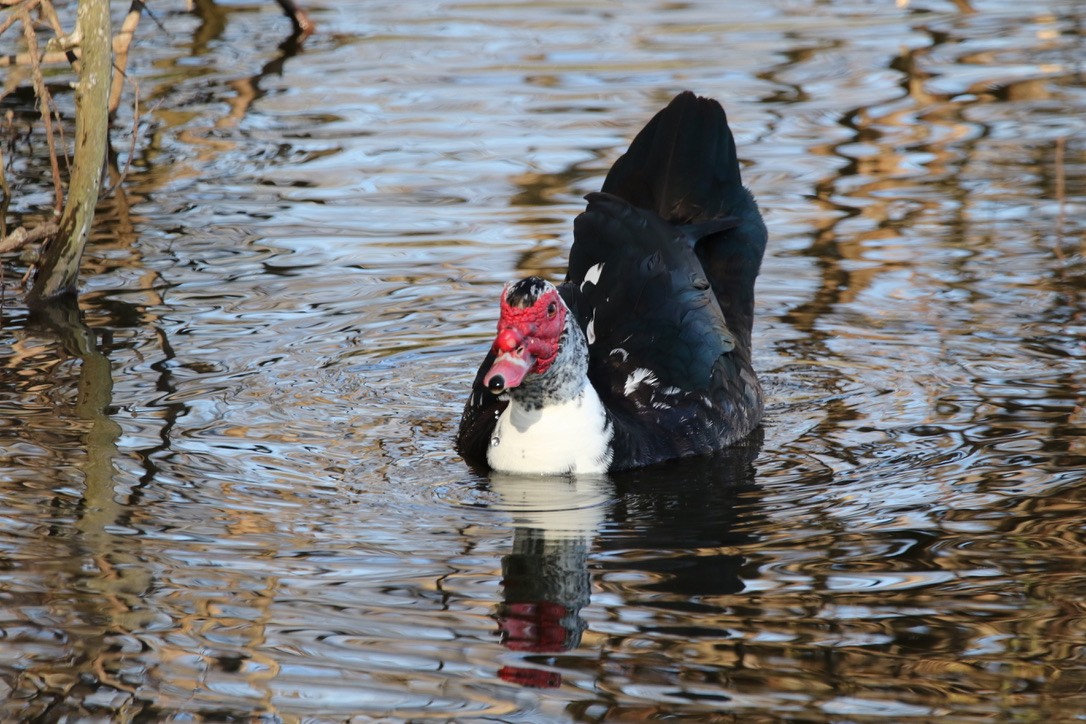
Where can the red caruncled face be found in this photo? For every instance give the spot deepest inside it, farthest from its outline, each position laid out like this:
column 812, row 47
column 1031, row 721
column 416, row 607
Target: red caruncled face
column 527, row 338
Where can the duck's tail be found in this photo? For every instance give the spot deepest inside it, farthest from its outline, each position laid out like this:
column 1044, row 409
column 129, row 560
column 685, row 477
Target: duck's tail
column 683, row 166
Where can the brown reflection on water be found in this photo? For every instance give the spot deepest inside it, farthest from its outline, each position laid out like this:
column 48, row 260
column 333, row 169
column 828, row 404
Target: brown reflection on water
column 96, row 583
column 925, row 165
column 90, row 589
column 546, row 252
column 241, row 500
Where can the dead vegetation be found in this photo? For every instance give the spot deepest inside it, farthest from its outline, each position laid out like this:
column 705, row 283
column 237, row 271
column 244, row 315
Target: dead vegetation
column 96, row 56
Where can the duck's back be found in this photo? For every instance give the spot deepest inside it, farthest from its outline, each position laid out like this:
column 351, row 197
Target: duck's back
column 661, row 278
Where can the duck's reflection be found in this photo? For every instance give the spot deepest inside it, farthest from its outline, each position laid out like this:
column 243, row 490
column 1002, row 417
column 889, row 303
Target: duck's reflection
column 682, row 510
column 545, row 579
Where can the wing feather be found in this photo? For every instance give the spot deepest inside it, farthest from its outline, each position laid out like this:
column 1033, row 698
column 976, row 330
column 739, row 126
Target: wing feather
column 662, row 356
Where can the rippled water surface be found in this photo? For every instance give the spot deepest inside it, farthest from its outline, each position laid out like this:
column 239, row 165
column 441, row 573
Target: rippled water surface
column 245, row 501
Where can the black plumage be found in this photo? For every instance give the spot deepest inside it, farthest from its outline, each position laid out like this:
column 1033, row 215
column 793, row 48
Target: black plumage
column 661, row 281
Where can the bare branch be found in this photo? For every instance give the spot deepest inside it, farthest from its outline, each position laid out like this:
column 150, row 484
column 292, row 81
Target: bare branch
column 122, row 39
column 72, row 51
column 43, row 99
column 50, row 14
column 9, row 61
column 58, row 270
column 21, row 237
column 10, row 20
column 135, row 134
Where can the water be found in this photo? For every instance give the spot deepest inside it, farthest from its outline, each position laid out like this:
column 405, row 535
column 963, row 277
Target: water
column 246, row 504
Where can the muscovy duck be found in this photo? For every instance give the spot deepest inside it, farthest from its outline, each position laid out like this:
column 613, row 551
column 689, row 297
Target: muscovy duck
column 643, row 354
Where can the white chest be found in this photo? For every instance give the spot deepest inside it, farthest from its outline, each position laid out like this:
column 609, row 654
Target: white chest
column 571, row 437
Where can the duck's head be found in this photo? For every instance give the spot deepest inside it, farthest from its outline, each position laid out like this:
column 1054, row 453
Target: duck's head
column 533, row 318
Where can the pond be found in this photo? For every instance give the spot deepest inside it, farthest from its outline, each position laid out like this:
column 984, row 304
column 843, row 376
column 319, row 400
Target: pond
column 246, row 503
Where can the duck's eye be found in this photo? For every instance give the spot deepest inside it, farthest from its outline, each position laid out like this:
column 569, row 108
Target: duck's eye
column 552, row 310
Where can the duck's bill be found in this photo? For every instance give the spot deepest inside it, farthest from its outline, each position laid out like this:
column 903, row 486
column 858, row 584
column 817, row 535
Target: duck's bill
column 508, row 371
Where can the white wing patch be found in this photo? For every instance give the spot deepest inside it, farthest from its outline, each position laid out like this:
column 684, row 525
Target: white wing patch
column 592, row 275
column 638, row 377
column 590, row 330
column 665, row 392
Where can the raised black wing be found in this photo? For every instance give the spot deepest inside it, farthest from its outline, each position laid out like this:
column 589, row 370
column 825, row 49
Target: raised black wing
column 660, row 352
column 683, row 166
